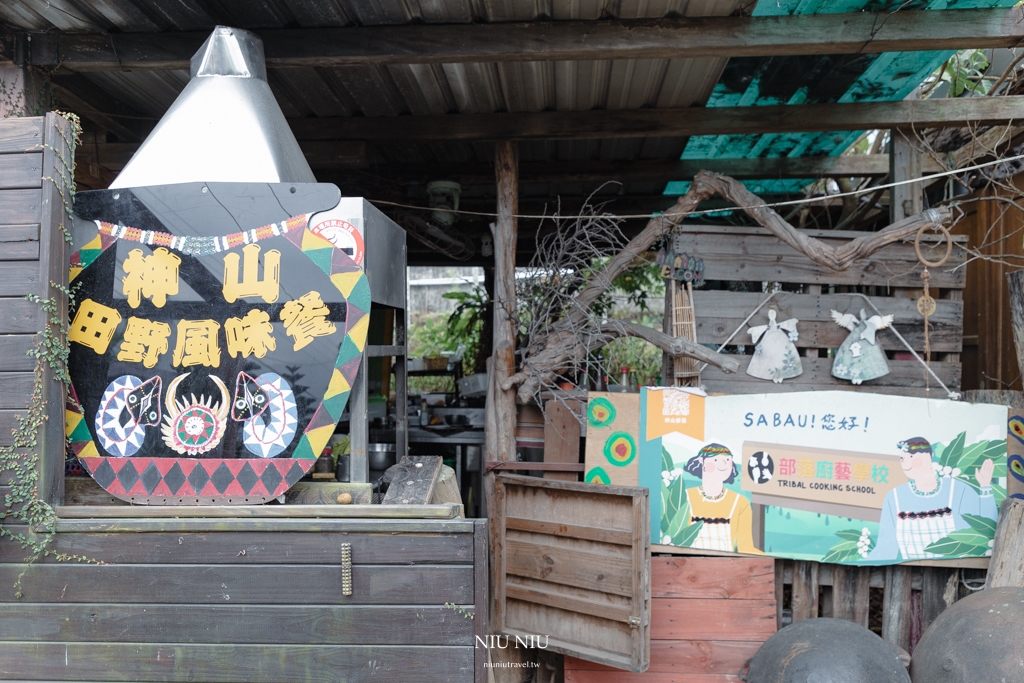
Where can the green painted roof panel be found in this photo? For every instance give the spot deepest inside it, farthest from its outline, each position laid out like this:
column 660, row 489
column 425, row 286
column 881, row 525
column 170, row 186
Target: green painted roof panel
column 761, row 81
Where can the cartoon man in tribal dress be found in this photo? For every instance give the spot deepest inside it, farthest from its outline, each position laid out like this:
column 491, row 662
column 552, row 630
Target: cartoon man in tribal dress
column 727, row 517
column 928, row 507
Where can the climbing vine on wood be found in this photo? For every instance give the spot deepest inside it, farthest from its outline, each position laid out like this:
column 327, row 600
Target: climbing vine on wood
column 25, row 518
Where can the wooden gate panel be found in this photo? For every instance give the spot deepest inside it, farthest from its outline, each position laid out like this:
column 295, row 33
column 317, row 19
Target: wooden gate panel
column 575, row 568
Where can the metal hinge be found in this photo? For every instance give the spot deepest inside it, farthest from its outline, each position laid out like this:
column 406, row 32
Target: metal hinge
column 346, row 569
column 634, row 622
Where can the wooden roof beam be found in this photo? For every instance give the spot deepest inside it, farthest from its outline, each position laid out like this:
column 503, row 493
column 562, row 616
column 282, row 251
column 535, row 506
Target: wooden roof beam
column 853, row 33
column 327, row 156
column 649, row 123
column 847, row 166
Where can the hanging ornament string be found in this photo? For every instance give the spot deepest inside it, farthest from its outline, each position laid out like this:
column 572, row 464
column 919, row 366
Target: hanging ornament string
column 204, row 245
column 926, row 304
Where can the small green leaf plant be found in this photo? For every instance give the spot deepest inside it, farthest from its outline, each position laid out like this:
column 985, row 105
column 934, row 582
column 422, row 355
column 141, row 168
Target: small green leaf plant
column 19, row 462
column 965, row 72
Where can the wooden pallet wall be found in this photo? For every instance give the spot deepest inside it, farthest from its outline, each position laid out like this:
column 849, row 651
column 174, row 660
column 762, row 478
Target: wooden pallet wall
column 709, row 615
column 897, row 602
column 33, row 256
column 890, row 278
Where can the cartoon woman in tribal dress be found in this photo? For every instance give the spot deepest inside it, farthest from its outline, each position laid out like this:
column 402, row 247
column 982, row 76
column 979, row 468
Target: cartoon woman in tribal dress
column 928, row 507
column 727, row 518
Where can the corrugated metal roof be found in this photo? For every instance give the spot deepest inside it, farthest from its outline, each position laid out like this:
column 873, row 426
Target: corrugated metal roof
column 420, row 89
column 380, row 91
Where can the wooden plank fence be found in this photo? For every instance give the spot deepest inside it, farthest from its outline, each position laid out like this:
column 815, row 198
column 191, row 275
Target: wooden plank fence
column 897, row 602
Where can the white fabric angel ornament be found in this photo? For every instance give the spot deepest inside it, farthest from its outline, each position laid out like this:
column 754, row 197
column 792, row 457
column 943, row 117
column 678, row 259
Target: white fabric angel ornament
column 775, row 356
column 860, row 357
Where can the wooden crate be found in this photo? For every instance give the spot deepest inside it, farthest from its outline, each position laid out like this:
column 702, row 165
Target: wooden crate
column 248, row 599
column 709, row 615
column 890, row 278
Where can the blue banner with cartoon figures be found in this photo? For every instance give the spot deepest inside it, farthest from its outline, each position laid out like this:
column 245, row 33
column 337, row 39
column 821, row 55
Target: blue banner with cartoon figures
column 833, row 476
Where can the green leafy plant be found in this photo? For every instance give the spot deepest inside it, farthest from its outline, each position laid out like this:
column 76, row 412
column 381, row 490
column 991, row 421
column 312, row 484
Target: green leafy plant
column 461, row 610
column 675, row 527
column 973, row 542
column 466, row 322
column 964, row 72
column 636, row 354
column 639, row 282
column 962, row 462
column 429, row 337
column 19, row 462
column 855, row 546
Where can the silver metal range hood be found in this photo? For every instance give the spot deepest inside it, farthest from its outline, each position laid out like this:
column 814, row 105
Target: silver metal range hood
column 225, row 125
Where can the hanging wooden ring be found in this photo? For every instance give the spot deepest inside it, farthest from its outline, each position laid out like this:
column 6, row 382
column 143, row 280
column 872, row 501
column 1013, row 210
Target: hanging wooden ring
column 949, row 246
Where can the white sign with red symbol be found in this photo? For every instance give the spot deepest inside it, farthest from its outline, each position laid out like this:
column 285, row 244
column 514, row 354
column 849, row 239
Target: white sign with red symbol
column 339, row 232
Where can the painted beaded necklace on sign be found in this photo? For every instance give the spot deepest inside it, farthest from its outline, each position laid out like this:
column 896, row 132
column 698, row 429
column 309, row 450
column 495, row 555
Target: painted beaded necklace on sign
column 204, row 245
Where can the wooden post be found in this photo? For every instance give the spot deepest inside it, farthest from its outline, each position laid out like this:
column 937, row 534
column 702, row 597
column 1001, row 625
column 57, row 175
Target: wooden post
column 1007, row 565
column 1015, row 280
column 500, row 427
column 896, row 607
column 500, row 442
column 936, row 593
column 851, row 593
column 780, row 591
column 805, row 590
column 58, row 177
column 904, row 164
column 562, row 436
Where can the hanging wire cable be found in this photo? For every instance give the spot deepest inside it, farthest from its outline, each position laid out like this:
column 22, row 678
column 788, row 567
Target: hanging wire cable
column 766, row 205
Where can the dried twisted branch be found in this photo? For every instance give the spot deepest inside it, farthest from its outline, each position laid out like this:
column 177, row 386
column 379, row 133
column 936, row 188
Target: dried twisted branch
column 560, row 291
